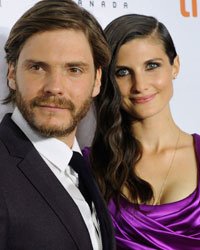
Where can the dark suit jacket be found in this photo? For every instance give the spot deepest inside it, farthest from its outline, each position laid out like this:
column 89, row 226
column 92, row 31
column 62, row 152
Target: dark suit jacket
column 36, row 212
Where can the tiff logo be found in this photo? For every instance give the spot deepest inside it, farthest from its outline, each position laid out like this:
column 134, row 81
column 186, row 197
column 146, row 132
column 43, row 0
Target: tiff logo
column 186, row 13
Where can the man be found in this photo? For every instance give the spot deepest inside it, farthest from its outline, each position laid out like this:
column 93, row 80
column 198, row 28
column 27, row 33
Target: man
column 55, row 53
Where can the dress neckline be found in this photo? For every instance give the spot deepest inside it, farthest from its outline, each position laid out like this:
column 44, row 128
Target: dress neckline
column 178, row 203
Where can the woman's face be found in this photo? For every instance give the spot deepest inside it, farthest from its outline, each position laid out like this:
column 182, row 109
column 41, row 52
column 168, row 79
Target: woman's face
column 144, row 76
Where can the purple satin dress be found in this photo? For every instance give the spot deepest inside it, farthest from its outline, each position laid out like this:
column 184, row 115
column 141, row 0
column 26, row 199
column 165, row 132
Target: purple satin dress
column 173, row 226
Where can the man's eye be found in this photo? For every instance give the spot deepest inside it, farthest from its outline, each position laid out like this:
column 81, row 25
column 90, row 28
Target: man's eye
column 35, row 67
column 152, row 65
column 75, row 70
column 122, row 72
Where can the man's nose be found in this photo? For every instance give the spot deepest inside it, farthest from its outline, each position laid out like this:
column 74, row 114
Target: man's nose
column 55, row 83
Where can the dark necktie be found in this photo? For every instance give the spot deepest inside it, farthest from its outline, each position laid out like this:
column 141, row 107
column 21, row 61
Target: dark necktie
column 91, row 193
column 78, row 163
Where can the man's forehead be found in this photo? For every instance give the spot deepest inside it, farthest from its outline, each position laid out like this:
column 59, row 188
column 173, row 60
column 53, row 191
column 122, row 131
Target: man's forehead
column 63, row 43
column 54, row 32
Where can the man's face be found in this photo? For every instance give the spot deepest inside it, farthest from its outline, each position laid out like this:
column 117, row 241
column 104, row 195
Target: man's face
column 55, row 81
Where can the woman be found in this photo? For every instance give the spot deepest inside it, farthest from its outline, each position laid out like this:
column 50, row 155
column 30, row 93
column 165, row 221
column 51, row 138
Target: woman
column 146, row 166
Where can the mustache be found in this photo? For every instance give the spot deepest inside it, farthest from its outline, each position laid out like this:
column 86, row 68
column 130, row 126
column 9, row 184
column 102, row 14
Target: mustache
column 58, row 102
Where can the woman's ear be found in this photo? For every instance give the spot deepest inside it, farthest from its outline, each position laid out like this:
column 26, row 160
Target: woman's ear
column 11, row 76
column 97, row 84
column 176, row 67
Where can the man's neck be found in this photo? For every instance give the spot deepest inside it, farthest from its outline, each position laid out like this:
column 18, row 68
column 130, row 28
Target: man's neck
column 68, row 139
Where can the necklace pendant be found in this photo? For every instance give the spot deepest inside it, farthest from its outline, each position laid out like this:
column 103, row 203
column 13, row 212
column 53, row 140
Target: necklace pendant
column 158, row 202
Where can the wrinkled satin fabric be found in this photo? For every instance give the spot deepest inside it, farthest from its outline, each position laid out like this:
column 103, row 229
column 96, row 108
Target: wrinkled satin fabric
column 173, row 226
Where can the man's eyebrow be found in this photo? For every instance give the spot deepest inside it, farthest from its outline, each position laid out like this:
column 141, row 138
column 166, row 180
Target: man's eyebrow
column 67, row 64
column 31, row 62
column 77, row 64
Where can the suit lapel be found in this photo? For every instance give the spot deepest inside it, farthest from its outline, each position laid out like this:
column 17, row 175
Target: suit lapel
column 45, row 182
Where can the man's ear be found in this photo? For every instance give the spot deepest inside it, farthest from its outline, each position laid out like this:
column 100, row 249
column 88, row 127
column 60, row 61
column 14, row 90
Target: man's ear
column 176, row 67
column 97, row 84
column 11, row 76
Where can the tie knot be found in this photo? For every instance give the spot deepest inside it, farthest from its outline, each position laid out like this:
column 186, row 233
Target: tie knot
column 77, row 162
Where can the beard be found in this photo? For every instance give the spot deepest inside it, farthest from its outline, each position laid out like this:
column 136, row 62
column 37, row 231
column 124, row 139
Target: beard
column 27, row 110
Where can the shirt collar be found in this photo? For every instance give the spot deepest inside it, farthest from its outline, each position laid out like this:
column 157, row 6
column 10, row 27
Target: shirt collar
column 54, row 150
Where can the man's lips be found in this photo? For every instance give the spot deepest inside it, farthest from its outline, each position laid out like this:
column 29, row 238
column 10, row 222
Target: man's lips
column 143, row 99
column 52, row 103
column 51, row 107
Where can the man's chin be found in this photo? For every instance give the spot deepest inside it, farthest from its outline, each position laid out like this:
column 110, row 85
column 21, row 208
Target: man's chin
column 52, row 124
column 53, row 130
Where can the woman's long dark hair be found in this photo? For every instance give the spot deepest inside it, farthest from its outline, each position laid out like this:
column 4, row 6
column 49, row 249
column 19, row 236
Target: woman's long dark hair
column 115, row 150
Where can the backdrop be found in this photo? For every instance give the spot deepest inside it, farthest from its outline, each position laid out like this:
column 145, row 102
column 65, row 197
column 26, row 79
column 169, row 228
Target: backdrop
column 182, row 18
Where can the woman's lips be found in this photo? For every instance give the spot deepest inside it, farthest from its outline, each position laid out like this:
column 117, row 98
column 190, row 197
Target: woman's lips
column 143, row 99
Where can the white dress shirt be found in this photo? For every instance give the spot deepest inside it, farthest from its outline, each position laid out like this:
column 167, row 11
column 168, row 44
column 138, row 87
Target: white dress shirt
column 57, row 156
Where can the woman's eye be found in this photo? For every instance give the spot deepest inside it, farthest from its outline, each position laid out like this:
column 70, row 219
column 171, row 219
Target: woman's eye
column 152, row 65
column 122, row 72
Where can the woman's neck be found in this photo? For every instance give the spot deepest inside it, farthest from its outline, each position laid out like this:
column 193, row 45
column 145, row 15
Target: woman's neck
column 156, row 133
